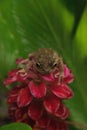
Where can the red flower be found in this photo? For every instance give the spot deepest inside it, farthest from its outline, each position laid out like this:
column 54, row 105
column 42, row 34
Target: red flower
column 38, row 99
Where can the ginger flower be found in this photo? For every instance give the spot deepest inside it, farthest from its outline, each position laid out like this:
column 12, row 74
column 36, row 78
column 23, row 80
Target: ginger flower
column 37, row 98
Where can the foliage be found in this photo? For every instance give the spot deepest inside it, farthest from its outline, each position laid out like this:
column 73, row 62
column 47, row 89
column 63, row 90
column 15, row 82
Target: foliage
column 15, row 126
column 28, row 25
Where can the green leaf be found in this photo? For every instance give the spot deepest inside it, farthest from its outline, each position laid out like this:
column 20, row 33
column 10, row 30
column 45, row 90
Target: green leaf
column 77, row 7
column 29, row 25
column 15, row 126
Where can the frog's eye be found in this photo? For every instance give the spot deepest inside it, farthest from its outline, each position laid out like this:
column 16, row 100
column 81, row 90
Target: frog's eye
column 54, row 65
column 38, row 65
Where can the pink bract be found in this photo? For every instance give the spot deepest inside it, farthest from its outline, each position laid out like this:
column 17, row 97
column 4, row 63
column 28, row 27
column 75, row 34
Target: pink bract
column 38, row 99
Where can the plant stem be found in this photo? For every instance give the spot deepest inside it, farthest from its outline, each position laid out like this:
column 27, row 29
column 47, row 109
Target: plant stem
column 83, row 126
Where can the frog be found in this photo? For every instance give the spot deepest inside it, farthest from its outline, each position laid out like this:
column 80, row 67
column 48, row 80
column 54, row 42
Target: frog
column 46, row 60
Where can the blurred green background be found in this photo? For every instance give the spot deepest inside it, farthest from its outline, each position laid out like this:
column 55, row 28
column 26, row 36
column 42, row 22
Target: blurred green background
column 26, row 25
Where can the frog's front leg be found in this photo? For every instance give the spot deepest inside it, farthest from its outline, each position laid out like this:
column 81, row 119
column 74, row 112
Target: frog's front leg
column 30, row 61
column 61, row 70
column 60, row 73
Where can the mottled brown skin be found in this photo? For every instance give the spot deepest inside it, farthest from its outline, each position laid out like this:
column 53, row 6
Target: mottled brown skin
column 46, row 60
